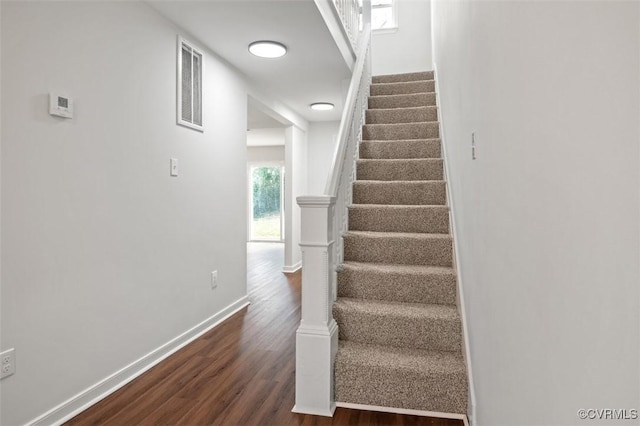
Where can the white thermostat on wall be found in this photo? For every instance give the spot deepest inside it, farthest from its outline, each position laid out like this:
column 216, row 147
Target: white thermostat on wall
column 60, row 105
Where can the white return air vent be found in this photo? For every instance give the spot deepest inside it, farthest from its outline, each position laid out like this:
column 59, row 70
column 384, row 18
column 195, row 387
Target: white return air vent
column 190, row 66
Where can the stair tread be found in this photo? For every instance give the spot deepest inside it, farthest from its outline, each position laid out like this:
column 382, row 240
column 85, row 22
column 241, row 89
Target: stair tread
column 409, row 378
column 401, row 140
column 402, row 87
column 399, row 268
column 398, row 206
column 420, row 360
column 412, row 124
column 405, row 76
column 396, row 182
column 403, row 82
column 398, row 309
column 377, row 101
column 400, row 95
column 400, row 160
column 401, row 149
column 416, row 235
column 413, row 108
column 400, row 283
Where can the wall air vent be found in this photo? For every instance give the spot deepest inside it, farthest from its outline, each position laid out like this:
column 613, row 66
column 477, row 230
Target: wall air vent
column 190, row 67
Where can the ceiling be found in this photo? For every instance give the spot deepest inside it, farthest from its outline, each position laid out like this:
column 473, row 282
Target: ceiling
column 313, row 69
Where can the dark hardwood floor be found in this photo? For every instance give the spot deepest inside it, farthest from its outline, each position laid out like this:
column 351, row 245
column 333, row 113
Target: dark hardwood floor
column 239, row 373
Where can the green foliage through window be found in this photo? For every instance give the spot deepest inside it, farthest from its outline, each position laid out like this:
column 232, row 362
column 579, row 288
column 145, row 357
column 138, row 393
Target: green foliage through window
column 266, row 191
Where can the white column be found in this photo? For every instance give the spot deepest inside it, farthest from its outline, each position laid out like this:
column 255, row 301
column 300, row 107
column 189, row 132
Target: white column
column 317, row 336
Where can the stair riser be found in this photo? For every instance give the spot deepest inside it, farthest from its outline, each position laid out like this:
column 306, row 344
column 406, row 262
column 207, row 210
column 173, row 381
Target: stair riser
column 401, row 193
column 399, row 170
column 401, row 115
column 403, row 88
column 369, row 385
column 429, row 220
column 396, row 78
column 402, row 101
column 437, row 289
column 398, row 331
column 400, row 149
column 398, row 249
column 400, row 131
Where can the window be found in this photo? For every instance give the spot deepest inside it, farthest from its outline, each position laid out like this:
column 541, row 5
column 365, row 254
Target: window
column 383, row 15
column 267, row 199
column 190, row 62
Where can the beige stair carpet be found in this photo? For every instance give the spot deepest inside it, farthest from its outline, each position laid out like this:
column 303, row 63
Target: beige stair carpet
column 400, row 338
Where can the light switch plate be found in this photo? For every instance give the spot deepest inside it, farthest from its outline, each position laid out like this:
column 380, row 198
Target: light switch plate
column 174, row 167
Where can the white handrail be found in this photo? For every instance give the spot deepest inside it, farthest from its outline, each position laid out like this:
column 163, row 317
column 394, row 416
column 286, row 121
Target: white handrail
column 347, row 114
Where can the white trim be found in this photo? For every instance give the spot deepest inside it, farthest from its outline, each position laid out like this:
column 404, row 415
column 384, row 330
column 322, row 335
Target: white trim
column 315, row 201
column 316, row 244
column 406, row 411
column 318, row 330
column 291, row 269
column 308, row 410
column 456, row 253
column 90, row 396
column 383, row 31
column 199, row 51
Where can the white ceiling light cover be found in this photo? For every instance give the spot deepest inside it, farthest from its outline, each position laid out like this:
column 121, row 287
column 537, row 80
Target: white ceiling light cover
column 267, row 49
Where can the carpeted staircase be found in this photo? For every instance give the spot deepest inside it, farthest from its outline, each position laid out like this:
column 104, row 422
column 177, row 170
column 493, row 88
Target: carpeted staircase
column 400, row 343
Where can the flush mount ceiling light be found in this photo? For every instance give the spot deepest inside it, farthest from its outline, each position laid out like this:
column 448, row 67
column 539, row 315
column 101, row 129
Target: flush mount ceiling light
column 267, row 49
column 322, row 106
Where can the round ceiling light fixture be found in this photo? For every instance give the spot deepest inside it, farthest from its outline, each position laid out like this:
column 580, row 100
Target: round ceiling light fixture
column 267, row 49
column 322, row 106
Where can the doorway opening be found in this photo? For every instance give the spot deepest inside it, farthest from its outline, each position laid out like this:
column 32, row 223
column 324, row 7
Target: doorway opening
column 266, row 189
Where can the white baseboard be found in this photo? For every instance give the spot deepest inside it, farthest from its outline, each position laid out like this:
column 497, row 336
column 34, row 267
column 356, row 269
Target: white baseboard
column 291, row 269
column 107, row 386
column 404, row 411
column 456, row 253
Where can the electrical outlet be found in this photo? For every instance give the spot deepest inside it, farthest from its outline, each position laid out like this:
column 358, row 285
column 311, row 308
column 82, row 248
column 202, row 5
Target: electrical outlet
column 8, row 366
column 214, row 279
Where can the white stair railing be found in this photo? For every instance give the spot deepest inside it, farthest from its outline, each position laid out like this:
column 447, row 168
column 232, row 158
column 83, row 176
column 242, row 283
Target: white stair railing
column 324, row 219
column 345, row 20
column 349, row 13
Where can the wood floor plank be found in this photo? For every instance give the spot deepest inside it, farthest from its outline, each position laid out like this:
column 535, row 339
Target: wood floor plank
column 240, row 373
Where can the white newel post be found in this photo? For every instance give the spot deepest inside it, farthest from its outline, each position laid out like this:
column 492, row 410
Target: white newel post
column 317, row 336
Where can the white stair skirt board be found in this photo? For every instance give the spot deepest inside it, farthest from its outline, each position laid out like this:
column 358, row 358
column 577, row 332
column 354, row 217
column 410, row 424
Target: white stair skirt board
column 291, row 269
column 403, row 411
column 107, row 386
column 460, row 293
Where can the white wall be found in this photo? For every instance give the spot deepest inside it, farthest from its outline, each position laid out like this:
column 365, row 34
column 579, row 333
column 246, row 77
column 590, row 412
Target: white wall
column 321, row 148
column 409, row 48
column 105, row 257
column 265, row 154
column 265, row 137
column 295, row 185
column 547, row 217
